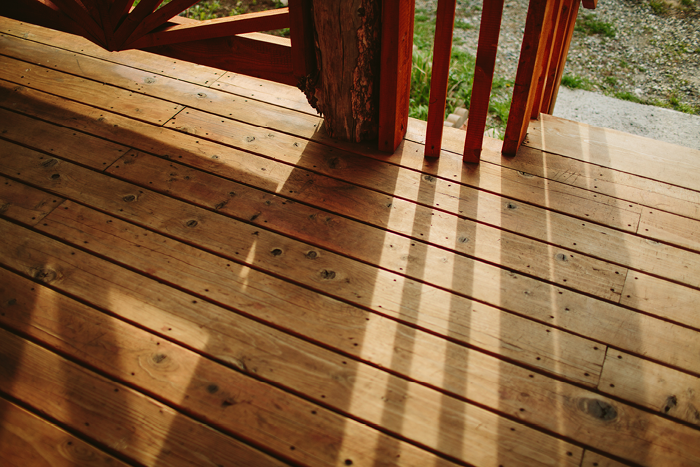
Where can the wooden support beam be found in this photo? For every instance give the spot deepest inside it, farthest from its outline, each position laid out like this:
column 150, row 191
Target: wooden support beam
column 39, row 12
column 483, row 78
column 590, row 4
column 553, row 82
column 81, row 17
column 301, row 33
column 531, row 56
column 260, row 55
column 133, row 20
column 118, row 9
column 442, row 50
column 551, row 30
column 215, row 28
column 396, row 66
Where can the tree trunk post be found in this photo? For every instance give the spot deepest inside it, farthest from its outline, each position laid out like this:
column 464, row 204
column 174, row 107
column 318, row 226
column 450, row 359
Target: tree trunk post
column 348, row 48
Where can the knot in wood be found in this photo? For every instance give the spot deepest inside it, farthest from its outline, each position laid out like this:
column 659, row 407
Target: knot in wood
column 511, row 205
column 597, row 408
column 212, row 388
column 671, row 402
column 201, row 95
column 326, row 274
column 312, row 254
column 49, row 163
column 45, row 275
column 159, row 357
column 250, row 139
column 334, row 163
column 191, row 223
column 149, row 80
column 463, row 239
column 429, row 178
column 276, row 252
column 129, row 198
column 55, row 176
column 561, row 257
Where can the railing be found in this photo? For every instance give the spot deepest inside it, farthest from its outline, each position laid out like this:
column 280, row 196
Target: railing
column 548, row 30
column 222, row 43
column 227, row 43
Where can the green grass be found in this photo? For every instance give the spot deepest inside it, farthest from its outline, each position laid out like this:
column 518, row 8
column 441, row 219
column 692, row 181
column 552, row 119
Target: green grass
column 460, row 77
column 588, row 24
column 576, row 82
column 203, row 10
column 672, row 102
column 659, row 7
column 628, row 96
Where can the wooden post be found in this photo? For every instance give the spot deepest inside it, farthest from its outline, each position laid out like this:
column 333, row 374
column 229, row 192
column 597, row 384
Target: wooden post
column 489, row 31
column 532, row 55
column 556, row 82
column 442, row 51
column 562, row 41
column 396, row 65
column 552, row 26
column 348, row 49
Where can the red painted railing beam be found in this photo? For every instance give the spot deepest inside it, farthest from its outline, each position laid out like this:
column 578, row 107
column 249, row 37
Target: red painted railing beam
column 444, row 27
column 489, row 31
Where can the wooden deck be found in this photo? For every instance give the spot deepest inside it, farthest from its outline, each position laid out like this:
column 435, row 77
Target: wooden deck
column 193, row 274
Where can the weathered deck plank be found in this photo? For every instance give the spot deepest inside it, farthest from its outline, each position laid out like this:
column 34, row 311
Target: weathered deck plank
column 645, row 157
column 28, row 440
column 112, row 414
column 265, row 256
column 651, row 385
column 346, row 279
column 23, row 203
column 295, row 429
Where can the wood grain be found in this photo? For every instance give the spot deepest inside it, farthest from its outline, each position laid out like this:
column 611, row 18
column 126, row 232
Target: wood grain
column 25, row 204
column 593, row 459
column 651, row 385
column 645, row 157
column 590, row 239
column 439, row 315
column 662, row 298
column 585, row 415
column 142, row 429
column 670, row 228
column 26, row 439
column 135, row 58
column 73, row 87
column 569, row 310
column 199, row 386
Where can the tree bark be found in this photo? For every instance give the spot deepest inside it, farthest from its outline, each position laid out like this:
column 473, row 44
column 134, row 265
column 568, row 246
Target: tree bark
column 348, row 48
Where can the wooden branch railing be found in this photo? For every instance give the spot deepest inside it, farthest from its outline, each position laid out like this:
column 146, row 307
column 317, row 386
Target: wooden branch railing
column 548, row 31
